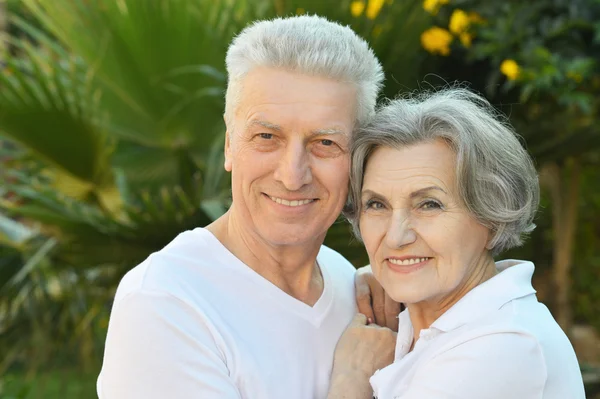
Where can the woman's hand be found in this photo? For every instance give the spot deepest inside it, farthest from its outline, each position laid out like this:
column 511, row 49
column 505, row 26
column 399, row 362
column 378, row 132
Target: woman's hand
column 362, row 350
column 373, row 301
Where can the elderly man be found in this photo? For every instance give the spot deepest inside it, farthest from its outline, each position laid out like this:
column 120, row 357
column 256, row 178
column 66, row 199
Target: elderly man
column 252, row 306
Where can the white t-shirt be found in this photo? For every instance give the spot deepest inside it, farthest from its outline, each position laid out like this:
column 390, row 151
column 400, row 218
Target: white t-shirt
column 497, row 342
column 193, row 321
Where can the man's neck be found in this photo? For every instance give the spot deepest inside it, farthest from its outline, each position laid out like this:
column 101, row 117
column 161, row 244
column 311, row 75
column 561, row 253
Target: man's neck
column 293, row 269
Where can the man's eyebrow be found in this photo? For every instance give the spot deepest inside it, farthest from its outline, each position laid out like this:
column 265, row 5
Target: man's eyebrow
column 412, row 195
column 275, row 127
column 326, row 131
column 265, row 124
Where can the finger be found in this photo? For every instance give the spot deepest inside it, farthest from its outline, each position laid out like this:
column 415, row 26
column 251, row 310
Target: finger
column 378, row 303
column 363, row 296
column 392, row 310
column 359, row 320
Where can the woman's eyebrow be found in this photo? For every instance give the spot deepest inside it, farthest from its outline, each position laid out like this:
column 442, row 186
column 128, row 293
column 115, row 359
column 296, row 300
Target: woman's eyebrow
column 422, row 191
column 370, row 193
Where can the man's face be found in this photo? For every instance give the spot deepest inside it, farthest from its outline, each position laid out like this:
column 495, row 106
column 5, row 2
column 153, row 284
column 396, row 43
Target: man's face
column 288, row 154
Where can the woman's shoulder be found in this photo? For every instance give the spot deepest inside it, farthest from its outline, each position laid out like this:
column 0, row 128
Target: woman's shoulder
column 521, row 331
column 472, row 362
column 502, row 335
column 508, row 328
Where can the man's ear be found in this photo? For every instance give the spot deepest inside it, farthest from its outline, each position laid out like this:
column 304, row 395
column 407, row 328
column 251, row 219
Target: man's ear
column 227, row 150
column 228, row 158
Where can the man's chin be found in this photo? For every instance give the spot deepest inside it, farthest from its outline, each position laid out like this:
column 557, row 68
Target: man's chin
column 290, row 235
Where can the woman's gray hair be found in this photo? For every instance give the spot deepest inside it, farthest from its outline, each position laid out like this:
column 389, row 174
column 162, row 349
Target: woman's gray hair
column 310, row 45
column 496, row 177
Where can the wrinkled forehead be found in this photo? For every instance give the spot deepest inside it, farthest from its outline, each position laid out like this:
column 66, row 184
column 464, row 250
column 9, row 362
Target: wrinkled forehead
column 276, row 97
column 430, row 163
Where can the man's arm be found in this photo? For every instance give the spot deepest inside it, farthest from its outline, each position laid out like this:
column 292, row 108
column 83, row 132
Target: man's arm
column 159, row 347
column 351, row 385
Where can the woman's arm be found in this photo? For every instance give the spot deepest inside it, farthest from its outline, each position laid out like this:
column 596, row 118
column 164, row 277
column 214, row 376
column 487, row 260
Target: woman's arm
column 360, row 352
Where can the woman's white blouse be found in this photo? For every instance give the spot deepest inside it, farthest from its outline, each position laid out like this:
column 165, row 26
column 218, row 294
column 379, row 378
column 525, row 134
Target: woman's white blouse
column 497, row 342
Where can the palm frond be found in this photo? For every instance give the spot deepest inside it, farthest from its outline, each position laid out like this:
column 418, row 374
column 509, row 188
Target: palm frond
column 46, row 105
column 159, row 63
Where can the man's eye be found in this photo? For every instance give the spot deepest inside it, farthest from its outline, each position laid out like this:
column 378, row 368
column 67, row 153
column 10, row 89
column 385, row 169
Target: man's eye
column 326, row 142
column 266, row 136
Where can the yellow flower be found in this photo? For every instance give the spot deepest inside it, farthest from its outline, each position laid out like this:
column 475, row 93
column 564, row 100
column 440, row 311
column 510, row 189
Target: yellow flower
column 466, row 39
column 433, row 6
column 436, row 40
column 510, row 68
column 357, row 8
column 300, row 11
column 374, row 8
column 459, row 22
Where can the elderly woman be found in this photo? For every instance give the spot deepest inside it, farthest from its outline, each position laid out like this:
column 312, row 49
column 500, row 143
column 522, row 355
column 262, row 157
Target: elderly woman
column 440, row 185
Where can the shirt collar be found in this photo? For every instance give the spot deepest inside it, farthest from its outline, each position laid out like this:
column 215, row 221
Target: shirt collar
column 512, row 281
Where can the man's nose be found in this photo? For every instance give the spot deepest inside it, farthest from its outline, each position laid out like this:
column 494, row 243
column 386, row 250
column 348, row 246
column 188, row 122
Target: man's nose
column 294, row 169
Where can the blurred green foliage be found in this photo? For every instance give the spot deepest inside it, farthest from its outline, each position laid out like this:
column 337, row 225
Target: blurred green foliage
column 111, row 121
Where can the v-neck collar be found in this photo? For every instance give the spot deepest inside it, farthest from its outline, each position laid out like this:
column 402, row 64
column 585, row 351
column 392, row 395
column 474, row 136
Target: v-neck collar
column 314, row 314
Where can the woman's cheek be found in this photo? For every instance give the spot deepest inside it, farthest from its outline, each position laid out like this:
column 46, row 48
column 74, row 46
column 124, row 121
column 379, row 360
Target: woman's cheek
column 372, row 230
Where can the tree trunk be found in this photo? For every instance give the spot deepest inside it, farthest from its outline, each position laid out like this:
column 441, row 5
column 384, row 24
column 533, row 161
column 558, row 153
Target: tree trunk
column 563, row 183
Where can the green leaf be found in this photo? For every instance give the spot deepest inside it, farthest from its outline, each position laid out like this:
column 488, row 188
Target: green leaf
column 36, row 112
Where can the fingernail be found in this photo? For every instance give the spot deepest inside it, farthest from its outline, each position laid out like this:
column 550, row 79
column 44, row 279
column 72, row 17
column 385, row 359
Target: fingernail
column 369, row 320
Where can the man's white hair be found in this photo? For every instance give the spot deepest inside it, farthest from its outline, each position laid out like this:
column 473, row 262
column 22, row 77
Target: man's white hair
column 310, row 45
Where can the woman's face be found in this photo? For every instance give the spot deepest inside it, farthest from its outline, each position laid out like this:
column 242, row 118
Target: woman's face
column 422, row 243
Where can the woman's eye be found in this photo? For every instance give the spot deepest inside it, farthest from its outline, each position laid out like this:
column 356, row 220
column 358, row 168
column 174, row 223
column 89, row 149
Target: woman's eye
column 266, row 136
column 430, row 205
column 326, row 142
column 373, row 204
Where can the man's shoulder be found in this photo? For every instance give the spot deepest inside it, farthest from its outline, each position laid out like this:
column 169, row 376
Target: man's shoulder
column 334, row 262
column 183, row 263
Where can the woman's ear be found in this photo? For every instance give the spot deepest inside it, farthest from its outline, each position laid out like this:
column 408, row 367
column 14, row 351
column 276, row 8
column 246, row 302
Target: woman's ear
column 490, row 241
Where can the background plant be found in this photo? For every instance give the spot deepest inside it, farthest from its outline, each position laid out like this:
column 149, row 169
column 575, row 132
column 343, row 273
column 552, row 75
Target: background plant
column 111, row 144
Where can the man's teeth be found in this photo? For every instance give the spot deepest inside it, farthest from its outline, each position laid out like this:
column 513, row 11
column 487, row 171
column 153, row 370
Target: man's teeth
column 407, row 262
column 291, row 203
